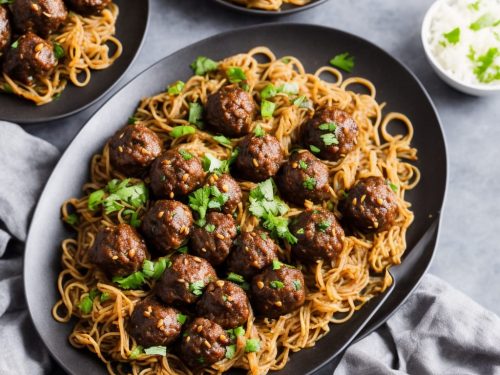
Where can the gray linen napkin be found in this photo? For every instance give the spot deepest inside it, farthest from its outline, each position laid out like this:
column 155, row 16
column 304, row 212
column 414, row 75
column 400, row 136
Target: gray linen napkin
column 437, row 331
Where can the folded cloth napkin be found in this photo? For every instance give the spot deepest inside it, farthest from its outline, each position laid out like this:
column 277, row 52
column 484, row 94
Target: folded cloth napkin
column 437, row 331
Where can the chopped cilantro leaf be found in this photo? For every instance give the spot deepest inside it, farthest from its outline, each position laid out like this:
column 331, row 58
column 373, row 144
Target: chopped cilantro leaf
column 300, row 231
column 276, row 264
column 156, row 350
column 196, row 114
column 132, row 120
column 116, row 194
column 486, row 20
column 71, row 219
column 453, row 37
column 258, row 131
column 324, row 225
column 185, row 154
column 197, row 287
column 176, row 88
column 267, row 108
column 224, row 141
column 297, row 285
column 252, row 345
column 230, row 351
column 181, row 130
column 330, row 126
column 15, row 44
column 309, row 183
column 155, row 269
column 314, row 149
column 268, row 92
column 302, row 164
column 105, row 296
column 85, row 305
column 343, row 61
column 210, row 228
column 133, row 281
column 393, row 187
column 239, row 331
column 181, row 318
column 58, row 51
column 202, row 65
column 329, row 139
column 136, row 352
column 303, row 102
column 276, row 284
column 235, row 74
column 234, row 277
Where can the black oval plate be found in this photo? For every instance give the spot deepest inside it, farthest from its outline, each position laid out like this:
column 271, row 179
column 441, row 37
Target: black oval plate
column 286, row 9
column 395, row 84
column 131, row 27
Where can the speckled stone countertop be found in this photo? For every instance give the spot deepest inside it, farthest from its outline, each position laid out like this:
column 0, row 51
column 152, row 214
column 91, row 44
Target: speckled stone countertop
column 468, row 253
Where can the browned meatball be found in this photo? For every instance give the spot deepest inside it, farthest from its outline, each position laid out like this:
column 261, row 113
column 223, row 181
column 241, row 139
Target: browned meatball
column 30, row 57
column 42, row 17
column 166, row 225
column 5, row 30
column 231, row 111
column 185, row 280
column 278, row 292
column 252, row 252
column 213, row 241
column 319, row 235
column 133, row 148
column 153, row 324
column 175, row 173
column 259, row 157
column 303, row 177
column 225, row 303
column 371, row 205
column 204, row 343
column 88, row 7
column 118, row 250
column 333, row 131
column 227, row 185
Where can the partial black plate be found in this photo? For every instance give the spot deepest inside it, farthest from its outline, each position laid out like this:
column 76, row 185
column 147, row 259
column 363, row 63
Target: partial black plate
column 285, row 9
column 131, row 27
column 396, row 86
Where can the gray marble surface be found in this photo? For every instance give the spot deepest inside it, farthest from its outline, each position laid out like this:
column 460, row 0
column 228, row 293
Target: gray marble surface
column 468, row 254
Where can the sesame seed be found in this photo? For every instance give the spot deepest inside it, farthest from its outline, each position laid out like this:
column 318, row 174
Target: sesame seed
column 146, row 314
column 160, row 214
column 114, row 257
column 222, row 338
column 295, row 165
column 131, row 253
column 260, row 284
column 199, row 328
column 185, row 176
column 219, row 236
column 180, row 280
column 211, row 180
column 363, row 198
column 160, row 323
column 34, row 6
column 203, row 250
column 255, row 263
column 121, row 135
column 38, row 47
column 380, row 202
column 120, row 149
column 375, row 224
column 255, row 162
column 145, row 151
column 149, row 309
column 229, row 298
column 247, row 249
column 188, row 338
column 278, row 304
column 207, row 344
column 225, row 188
column 355, row 201
column 216, row 177
column 220, row 283
column 197, row 260
column 171, row 195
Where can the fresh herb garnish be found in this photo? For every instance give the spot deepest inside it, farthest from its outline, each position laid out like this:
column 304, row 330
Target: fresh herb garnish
column 104, row 297
column 485, row 69
column 58, row 51
column 156, row 350
column 303, row 102
column 230, row 351
column 263, row 236
column 302, row 164
column 252, row 345
column 181, row 318
column 324, row 225
column 258, row 131
column 131, row 120
column 202, row 65
column 235, row 74
column 268, row 92
column 133, row 219
column 181, row 130
column 300, row 231
column 330, row 126
column 393, row 187
column 234, row 277
column 474, row 5
column 204, row 198
column 117, row 194
column 185, row 154
column 276, row 264
column 486, row 20
column 309, row 183
column 196, row 114
column 276, row 284
column 15, row 44
column 224, row 141
column 453, row 37
column 136, row 352
column 71, row 219
column 329, row 139
column 314, row 149
column 176, row 88
column 343, row 61
column 132, row 281
column 267, row 108
column 297, row 285
column 197, row 287
column 7, row 88
column 155, row 269
column 210, row 228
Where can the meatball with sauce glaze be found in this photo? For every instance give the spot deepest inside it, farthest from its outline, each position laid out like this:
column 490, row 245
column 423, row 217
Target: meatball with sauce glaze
column 32, row 57
column 277, row 292
column 227, row 185
column 166, row 225
column 231, row 111
column 225, row 303
column 5, row 29
column 319, row 235
column 153, row 324
column 333, row 131
column 213, row 241
column 303, row 177
column 176, row 173
column 133, row 148
column 42, row 17
column 88, row 7
column 259, row 157
column 252, row 252
column 118, row 250
column 185, row 280
column 204, row 343
column 370, row 205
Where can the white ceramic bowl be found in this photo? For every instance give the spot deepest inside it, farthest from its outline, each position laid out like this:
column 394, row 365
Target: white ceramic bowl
column 468, row 88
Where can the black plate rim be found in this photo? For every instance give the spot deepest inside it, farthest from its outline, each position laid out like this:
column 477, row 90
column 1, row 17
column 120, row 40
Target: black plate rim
column 60, row 116
column 367, row 327
column 269, row 13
